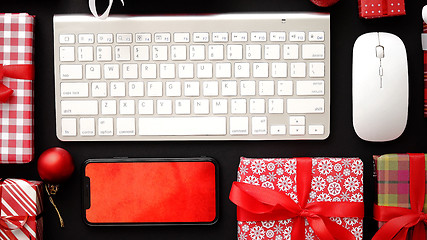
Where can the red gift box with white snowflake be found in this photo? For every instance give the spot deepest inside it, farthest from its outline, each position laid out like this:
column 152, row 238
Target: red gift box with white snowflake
column 299, row 198
column 381, row 8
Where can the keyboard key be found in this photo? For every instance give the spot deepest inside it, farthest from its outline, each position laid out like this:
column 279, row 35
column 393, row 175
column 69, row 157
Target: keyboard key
column 313, row 51
column 186, row 70
column 275, row 105
column 316, row 69
column 130, row 71
column 278, row 130
column 297, row 130
column 191, row 89
column 127, row 107
column 253, row 52
column 182, row 107
column 310, row 88
column 229, row 88
column 239, row 37
column 290, row 52
column 105, row 38
column 99, row 89
column 181, row 126
column 146, row 107
column 69, row 126
column 297, row 36
column 210, row 88
column 238, row 106
column 259, row 125
column 66, row 54
column 87, row 126
column 124, row 38
column 183, row 37
column 298, row 70
column 279, row 70
column 204, row 70
column 74, row 89
column 266, row 88
column 316, row 129
column 126, row 127
column 67, row 39
column 239, row 126
column 160, row 53
column 105, row 127
column 143, row 37
column 297, row 120
column 216, row 52
column 316, row 36
column 179, row 52
column 103, row 53
column 173, row 89
column 223, row 70
column 247, row 88
column 284, row 88
column 197, row 52
column 164, row 107
column 234, row 52
column 272, row 52
column 219, row 106
column 167, row 70
column 85, row 54
column 257, row 105
column 201, row 106
column 111, row 71
column 122, row 53
column 154, row 89
column 220, row 37
column 71, row 72
column 93, row 71
column 86, row 38
column 141, row 53
column 80, row 107
column 308, row 105
column 162, row 37
column 109, row 107
column 200, row 37
column 148, row 71
column 241, row 70
column 260, row 70
column 258, row 36
column 278, row 36
column 117, row 89
column 136, row 89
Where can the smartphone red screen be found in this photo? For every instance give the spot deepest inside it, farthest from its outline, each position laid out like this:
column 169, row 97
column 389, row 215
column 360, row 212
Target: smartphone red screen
column 152, row 192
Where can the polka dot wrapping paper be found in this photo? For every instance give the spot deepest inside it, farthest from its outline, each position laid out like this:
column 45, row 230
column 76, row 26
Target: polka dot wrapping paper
column 381, row 8
column 333, row 180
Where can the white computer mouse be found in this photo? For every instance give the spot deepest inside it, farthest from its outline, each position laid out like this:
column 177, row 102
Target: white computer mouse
column 380, row 87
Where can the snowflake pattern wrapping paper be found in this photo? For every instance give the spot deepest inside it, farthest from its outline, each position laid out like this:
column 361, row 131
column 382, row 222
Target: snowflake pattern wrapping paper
column 16, row 115
column 333, row 180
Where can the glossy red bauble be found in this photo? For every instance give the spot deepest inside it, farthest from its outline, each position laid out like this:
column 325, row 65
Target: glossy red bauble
column 55, row 165
column 324, row 3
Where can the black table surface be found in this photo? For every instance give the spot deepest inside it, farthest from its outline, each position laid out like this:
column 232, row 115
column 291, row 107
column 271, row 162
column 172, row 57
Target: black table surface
column 346, row 26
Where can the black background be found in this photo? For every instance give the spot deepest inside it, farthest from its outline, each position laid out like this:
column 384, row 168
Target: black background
column 346, row 26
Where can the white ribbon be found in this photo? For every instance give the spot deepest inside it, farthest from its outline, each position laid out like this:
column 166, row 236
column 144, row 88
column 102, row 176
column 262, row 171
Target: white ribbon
column 92, row 7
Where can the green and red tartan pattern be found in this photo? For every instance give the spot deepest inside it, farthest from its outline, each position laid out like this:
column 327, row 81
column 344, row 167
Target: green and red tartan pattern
column 393, row 180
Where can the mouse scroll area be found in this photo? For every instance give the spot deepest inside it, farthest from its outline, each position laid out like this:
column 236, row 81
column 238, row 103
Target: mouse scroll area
column 379, row 50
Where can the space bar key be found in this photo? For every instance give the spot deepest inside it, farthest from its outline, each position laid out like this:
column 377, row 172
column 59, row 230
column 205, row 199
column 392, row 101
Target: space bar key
column 182, row 126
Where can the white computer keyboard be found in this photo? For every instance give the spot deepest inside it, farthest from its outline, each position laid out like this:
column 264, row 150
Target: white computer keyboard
column 208, row 77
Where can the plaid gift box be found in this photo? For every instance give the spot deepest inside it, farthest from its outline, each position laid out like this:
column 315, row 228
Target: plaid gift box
column 16, row 113
column 335, row 182
column 21, row 206
column 381, row 8
column 394, row 175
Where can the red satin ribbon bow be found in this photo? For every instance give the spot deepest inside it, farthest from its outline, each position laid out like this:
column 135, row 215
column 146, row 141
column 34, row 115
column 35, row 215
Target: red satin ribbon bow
column 399, row 220
column 255, row 203
column 16, row 221
column 18, row 71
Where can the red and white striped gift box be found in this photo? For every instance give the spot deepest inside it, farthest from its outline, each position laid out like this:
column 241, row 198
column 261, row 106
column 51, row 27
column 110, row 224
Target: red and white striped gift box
column 21, row 206
column 16, row 115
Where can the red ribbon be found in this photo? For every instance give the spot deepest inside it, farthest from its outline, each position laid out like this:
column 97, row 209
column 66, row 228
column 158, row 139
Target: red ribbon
column 18, row 71
column 399, row 220
column 255, row 203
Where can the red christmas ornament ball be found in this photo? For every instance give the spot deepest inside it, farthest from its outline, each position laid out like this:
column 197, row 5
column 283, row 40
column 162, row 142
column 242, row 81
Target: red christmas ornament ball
column 324, row 3
column 55, row 165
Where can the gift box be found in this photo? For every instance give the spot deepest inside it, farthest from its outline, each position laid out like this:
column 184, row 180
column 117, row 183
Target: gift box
column 21, row 206
column 401, row 206
column 381, row 8
column 16, row 88
column 299, row 198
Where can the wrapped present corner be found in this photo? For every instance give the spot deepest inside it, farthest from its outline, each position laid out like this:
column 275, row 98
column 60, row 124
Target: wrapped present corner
column 401, row 206
column 381, row 8
column 21, row 206
column 16, row 88
column 299, row 198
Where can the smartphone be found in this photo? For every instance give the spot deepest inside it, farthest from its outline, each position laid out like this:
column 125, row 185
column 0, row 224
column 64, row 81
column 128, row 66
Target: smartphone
column 150, row 191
